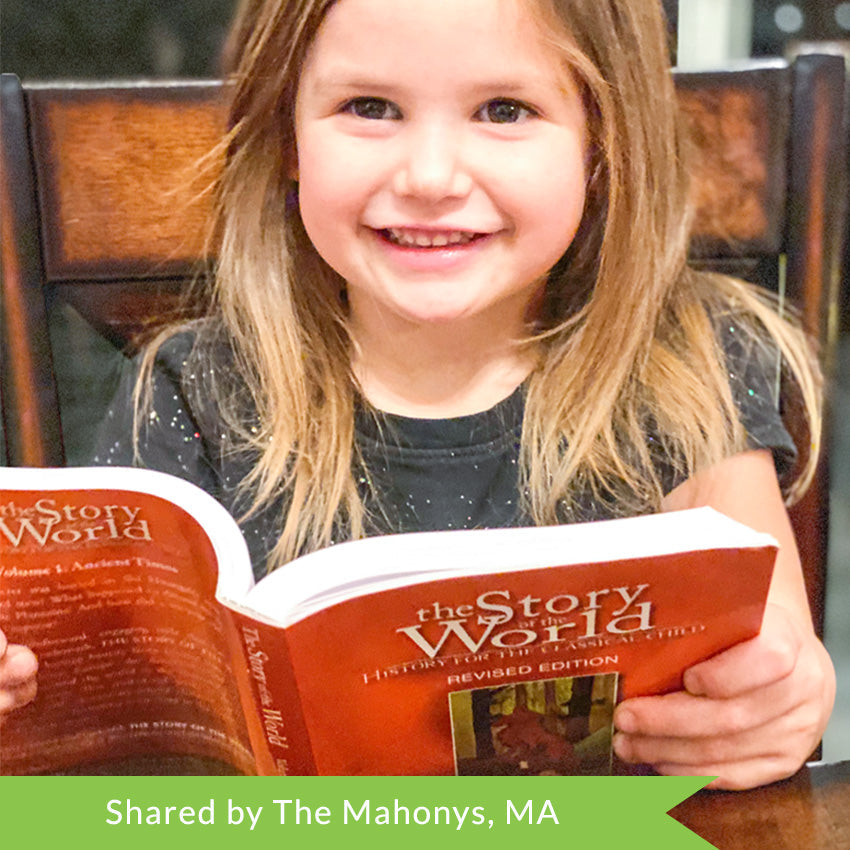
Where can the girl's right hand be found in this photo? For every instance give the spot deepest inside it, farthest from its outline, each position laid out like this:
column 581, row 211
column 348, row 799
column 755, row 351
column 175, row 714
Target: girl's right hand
column 18, row 667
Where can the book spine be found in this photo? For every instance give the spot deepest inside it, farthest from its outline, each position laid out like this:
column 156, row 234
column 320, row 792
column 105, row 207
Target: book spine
column 270, row 698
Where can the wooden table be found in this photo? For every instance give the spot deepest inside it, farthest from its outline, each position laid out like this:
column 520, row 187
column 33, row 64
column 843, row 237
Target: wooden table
column 809, row 811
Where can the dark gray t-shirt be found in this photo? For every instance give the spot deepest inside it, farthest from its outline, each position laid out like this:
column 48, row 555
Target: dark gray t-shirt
column 430, row 474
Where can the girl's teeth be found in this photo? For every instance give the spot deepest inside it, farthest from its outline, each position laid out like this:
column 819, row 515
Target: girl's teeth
column 426, row 240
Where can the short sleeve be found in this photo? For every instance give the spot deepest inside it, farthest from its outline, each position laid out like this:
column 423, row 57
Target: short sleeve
column 169, row 439
column 179, row 438
column 754, row 366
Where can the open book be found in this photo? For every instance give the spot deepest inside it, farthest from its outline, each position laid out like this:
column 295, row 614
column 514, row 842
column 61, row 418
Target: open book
column 499, row 651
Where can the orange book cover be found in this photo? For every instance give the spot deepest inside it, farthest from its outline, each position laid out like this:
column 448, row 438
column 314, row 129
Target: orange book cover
column 499, row 651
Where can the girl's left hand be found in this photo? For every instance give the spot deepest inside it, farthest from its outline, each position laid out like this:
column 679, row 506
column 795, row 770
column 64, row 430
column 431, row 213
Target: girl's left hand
column 750, row 715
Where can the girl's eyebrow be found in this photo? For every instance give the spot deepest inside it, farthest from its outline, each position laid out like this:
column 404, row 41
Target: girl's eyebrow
column 345, row 80
column 330, row 84
column 340, row 81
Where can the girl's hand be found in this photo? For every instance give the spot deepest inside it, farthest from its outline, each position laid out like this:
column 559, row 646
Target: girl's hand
column 18, row 667
column 750, row 715
column 754, row 713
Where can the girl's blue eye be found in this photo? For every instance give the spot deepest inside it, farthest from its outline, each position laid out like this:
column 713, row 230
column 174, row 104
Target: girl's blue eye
column 373, row 109
column 504, row 111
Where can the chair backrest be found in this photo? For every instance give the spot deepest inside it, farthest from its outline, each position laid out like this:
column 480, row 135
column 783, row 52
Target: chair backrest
column 102, row 205
column 771, row 203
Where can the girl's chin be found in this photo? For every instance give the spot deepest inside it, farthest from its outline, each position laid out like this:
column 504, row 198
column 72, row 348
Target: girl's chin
column 440, row 317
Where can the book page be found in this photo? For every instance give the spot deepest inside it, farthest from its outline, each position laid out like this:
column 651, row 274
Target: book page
column 114, row 592
column 362, row 567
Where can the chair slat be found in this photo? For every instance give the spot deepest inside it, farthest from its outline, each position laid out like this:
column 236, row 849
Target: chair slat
column 739, row 122
column 124, row 176
column 30, row 405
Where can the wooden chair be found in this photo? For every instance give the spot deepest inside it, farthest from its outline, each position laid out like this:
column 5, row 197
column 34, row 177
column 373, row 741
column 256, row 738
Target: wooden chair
column 771, row 206
column 100, row 210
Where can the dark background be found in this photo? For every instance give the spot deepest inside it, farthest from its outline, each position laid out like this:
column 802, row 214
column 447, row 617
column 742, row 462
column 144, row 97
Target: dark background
column 91, row 39
column 818, row 21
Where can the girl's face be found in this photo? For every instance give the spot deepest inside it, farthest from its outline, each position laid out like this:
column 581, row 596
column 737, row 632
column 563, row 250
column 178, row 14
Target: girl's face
column 441, row 158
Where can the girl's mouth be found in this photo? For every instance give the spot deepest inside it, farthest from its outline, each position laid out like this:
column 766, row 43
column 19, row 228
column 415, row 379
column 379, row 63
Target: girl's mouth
column 425, row 239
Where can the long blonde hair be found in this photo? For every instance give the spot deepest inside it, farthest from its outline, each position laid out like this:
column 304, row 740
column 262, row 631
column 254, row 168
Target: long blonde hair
column 627, row 330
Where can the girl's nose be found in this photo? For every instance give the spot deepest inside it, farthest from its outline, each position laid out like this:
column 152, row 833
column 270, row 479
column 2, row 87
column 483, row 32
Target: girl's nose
column 431, row 168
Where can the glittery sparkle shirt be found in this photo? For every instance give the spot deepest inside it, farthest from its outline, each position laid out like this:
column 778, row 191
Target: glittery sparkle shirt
column 427, row 474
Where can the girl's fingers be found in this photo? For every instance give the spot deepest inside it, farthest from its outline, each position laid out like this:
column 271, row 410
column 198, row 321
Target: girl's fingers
column 17, row 666
column 736, row 776
column 787, row 734
column 681, row 715
column 804, row 693
column 759, row 737
column 767, row 658
column 15, row 697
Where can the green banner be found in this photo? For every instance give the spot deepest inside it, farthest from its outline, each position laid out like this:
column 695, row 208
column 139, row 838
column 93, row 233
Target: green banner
column 373, row 812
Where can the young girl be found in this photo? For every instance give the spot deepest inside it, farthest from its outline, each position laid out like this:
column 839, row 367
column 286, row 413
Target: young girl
column 451, row 290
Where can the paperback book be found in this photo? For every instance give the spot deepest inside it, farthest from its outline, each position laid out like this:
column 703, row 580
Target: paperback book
column 480, row 652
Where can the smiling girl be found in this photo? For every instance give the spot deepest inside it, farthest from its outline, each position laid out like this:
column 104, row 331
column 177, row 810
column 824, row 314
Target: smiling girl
column 451, row 290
